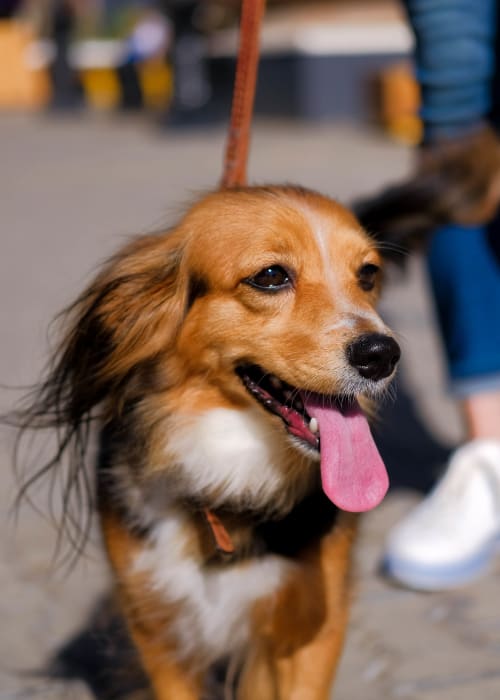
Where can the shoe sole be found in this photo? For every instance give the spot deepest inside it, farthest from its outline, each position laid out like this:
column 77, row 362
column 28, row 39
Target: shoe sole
column 444, row 577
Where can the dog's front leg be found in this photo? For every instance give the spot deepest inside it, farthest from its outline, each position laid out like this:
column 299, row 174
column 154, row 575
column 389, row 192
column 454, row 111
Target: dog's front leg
column 306, row 674
column 168, row 680
column 148, row 617
column 296, row 648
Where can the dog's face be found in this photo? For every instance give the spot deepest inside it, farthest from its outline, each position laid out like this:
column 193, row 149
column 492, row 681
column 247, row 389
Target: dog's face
column 229, row 332
column 284, row 282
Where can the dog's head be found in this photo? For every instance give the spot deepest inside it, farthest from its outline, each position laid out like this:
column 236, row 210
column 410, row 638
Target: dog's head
column 233, row 349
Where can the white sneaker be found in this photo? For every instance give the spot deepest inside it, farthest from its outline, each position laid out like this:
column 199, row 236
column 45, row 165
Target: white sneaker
column 451, row 536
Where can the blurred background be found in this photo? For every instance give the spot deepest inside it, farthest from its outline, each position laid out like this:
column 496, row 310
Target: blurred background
column 112, row 120
column 174, row 59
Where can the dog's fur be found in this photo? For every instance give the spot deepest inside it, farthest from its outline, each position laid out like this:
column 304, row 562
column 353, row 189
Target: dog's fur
column 151, row 355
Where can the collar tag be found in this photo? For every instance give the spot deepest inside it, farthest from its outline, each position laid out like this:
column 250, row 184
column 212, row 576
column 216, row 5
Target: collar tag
column 222, row 539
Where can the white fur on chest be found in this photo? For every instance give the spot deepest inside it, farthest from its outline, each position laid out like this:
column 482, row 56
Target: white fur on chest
column 236, row 456
column 213, row 603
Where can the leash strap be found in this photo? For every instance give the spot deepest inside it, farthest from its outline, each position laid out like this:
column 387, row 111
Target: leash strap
column 235, row 163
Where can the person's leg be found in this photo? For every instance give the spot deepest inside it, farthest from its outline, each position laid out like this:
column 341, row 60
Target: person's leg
column 465, row 280
column 482, row 415
column 455, row 63
column 451, row 536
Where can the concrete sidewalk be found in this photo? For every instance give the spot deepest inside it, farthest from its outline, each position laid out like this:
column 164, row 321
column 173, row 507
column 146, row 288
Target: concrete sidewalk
column 72, row 190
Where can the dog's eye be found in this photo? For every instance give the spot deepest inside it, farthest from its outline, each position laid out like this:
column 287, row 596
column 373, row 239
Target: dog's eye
column 367, row 276
column 271, row 278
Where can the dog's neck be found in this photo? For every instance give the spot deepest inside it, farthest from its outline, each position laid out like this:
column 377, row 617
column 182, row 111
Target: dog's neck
column 229, row 535
column 272, row 503
column 288, row 536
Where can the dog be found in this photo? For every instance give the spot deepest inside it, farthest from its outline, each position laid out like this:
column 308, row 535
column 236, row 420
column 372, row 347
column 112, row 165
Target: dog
column 224, row 363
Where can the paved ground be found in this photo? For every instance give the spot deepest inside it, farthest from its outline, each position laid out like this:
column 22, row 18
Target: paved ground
column 70, row 191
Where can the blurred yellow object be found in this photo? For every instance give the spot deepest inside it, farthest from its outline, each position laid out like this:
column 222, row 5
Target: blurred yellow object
column 156, row 81
column 407, row 129
column 102, row 87
column 23, row 83
column 400, row 104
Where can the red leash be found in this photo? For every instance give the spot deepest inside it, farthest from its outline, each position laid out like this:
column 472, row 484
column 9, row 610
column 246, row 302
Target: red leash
column 235, row 163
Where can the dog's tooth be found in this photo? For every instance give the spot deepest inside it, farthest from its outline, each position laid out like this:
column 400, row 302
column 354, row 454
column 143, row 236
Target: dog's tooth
column 275, row 381
column 313, row 425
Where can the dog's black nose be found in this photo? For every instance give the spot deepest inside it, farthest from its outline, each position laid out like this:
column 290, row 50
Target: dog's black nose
column 374, row 355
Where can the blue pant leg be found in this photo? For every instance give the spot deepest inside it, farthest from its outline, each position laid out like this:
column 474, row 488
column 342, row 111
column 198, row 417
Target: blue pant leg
column 465, row 277
column 455, row 62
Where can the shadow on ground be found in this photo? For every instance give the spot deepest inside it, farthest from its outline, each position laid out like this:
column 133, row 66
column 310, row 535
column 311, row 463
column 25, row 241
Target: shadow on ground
column 412, row 455
column 102, row 655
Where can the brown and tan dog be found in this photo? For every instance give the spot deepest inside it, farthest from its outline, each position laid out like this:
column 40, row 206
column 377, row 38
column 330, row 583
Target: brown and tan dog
column 223, row 361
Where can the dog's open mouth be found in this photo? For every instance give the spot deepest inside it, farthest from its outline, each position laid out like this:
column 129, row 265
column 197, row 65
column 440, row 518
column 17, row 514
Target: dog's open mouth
column 283, row 400
column 353, row 474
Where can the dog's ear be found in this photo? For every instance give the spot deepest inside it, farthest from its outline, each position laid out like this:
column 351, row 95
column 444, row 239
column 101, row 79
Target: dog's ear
column 129, row 314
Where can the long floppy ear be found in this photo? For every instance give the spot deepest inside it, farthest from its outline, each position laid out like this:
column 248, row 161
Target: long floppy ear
column 130, row 313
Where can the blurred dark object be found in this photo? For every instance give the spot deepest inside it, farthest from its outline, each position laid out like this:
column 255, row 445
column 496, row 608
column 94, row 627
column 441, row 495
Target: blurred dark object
column 457, row 182
column 8, row 8
column 131, row 93
column 102, row 656
column 319, row 60
column 144, row 77
column 322, row 61
column 67, row 92
column 192, row 90
column 401, row 217
column 293, row 84
column 494, row 237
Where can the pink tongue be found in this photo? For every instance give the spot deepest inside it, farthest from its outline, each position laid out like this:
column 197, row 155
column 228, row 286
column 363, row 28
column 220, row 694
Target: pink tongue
column 352, row 472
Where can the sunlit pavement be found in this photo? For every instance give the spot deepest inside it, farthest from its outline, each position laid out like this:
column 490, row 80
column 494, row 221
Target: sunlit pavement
column 71, row 190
